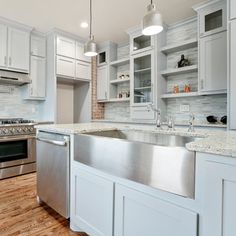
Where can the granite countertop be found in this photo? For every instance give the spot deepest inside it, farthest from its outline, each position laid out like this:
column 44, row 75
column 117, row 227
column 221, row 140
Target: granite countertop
column 214, row 142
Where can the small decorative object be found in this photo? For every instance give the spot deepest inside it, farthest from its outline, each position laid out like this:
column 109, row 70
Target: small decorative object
column 176, row 89
column 183, row 62
column 128, row 94
column 211, row 119
column 224, row 120
column 120, row 94
column 187, row 88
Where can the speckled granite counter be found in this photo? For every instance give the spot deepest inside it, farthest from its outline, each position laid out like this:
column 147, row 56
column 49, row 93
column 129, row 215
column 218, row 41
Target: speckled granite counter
column 214, row 142
column 222, row 143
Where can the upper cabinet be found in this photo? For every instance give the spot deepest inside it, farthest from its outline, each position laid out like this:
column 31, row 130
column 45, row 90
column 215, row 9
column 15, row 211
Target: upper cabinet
column 18, row 49
column 65, row 47
column 213, row 18
column 80, row 53
column 232, row 8
column 102, row 83
column 3, row 45
column 83, row 70
column 15, row 49
column 213, row 63
column 140, row 43
column 38, row 46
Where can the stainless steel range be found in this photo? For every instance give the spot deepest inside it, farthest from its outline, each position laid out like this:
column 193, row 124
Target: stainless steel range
column 17, row 147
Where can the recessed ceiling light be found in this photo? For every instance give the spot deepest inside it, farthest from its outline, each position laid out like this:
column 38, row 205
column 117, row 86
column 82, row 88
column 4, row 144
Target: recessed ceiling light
column 84, row 25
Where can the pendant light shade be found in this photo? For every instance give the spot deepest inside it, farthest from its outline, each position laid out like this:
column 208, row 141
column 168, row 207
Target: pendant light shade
column 152, row 21
column 90, row 47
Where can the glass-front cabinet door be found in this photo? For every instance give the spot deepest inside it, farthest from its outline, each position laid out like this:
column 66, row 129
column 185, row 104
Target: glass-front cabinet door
column 142, row 74
column 213, row 19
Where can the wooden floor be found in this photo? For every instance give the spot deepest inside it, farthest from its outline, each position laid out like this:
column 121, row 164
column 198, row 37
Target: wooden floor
column 20, row 213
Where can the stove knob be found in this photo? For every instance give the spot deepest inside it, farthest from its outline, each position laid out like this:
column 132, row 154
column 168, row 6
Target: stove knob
column 19, row 130
column 5, row 131
column 31, row 129
column 13, row 131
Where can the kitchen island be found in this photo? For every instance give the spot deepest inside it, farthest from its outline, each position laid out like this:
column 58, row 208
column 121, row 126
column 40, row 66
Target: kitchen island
column 105, row 204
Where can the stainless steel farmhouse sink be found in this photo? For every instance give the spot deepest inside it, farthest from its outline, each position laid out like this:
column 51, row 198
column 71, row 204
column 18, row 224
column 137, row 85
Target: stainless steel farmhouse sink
column 157, row 160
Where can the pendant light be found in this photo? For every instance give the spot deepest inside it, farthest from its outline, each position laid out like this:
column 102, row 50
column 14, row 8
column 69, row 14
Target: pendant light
column 152, row 21
column 90, row 47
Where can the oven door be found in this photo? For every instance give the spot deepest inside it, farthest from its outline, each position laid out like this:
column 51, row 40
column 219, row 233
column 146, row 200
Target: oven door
column 17, row 151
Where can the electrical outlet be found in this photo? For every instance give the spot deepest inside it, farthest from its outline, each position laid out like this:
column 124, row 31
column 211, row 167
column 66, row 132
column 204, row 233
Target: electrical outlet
column 184, row 108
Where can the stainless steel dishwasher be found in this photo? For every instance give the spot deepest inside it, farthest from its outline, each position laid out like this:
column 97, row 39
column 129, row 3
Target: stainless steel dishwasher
column 52, row 153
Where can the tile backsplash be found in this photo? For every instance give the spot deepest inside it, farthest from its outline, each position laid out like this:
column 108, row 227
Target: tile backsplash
column 13, row 105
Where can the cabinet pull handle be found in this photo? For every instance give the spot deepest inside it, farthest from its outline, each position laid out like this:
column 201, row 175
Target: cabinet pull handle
column 5, row 60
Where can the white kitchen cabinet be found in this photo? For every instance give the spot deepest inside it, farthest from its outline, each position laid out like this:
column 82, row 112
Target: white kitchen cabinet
column 219, row 207
column 232, row 74
column 102, row 83
column 139, row 214
column 212, row 18
column 213, row 63
column 18, row 50
column 65, row 66
column 3, row 45
column 91, row 203
column 65, row 47
column 38, row 46
column 80, row 53
column 232, row 8
column 83, row 70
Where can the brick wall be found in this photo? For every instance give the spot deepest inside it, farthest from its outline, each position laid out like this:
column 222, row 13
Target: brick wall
column 97, row 108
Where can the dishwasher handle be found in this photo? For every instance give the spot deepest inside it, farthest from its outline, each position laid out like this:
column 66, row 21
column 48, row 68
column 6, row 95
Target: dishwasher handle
column 54, row 142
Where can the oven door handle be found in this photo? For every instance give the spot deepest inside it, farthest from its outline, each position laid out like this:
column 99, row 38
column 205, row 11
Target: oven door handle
column 54, row 142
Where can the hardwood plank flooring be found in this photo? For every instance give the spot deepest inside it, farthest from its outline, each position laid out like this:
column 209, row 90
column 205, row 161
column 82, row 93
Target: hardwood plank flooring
column 20, row 213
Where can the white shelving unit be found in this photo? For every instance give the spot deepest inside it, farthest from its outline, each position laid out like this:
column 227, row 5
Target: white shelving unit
column 180, row 95
column 120, row 62
column 177, row 71
column 119, row 81
column 191, row 43
column 142, row 71
column 119, row 100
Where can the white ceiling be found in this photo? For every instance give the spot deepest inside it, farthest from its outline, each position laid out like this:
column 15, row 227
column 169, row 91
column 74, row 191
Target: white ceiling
column 111, row 17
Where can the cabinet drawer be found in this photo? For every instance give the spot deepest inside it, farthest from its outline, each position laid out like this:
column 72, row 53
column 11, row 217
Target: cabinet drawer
column 65, row 66
column 142, row 113
column 83, row 70
column 140, row 214
column 65, row 47
column 38, row 46
column 80, row 53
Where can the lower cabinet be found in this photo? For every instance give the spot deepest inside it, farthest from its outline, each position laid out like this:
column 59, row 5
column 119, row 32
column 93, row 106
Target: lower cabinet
column 219, row 199
column 91, row 203
column 139, row 214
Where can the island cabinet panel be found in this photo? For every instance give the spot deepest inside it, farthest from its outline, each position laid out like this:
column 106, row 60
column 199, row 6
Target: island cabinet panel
column 219, row 198
column 140, row 214
column 91, row 203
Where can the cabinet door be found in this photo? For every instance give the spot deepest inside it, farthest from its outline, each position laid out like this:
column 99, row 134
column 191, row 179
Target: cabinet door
column 232, row 74
column 65, row 67
column 219, row 209
column 140, row 214
column 65, row 47
column 83, row 70
column 91, row 203
column 102, row 83
column 38, row 77
column 3, row 46
column 232, row 9
column 18, row 49
column 213, row 18
column 80, row 53
column 213, row 63
column 38, row 46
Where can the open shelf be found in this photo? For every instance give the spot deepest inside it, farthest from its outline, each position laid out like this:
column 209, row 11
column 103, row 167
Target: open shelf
column 120, row 62
column 119, row 100
column 142, row 71
column 180, row 95
column 191, row 43
column 182, row 70
column 119, row 81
